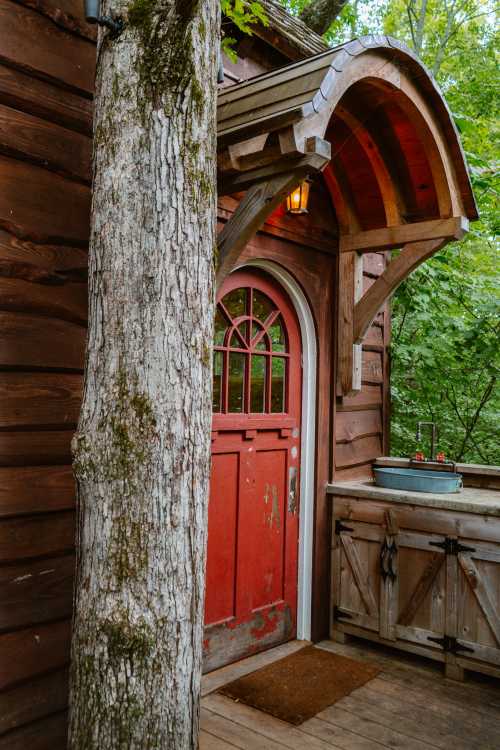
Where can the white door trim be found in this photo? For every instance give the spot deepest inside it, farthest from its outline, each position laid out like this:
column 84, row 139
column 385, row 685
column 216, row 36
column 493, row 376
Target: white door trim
column 308, row 438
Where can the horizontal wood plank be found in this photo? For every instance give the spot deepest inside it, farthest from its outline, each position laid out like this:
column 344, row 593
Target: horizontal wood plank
column 39, row 399
column 350, row 426
column 27, row 653
column 33, row 700
column 31, row 341
column 59, row 259
column 29, row 448
column 49, row 733
column 39, row 205
column 359, row 452
column 372, row 367
column 43, row 99
column 370, row 397
column 47, row 144
column 70, row 17
column 51, row 52
column 36, row 489
column 68, row 302
column 36, row 591
column 34, row 536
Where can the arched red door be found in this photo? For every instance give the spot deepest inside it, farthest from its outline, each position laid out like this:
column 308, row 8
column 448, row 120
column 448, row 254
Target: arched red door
column 251, row 599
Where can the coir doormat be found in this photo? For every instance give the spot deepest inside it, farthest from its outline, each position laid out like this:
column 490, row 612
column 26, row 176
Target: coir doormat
column 301, row 685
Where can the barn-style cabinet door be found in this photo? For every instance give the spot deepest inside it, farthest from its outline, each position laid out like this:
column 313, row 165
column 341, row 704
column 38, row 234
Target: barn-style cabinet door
column 478, row 601
column 430, row 593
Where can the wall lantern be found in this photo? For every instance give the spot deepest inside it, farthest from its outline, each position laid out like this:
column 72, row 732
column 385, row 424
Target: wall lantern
column 296, row 202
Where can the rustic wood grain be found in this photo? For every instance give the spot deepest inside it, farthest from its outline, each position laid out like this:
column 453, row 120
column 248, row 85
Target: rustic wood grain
column 36, row 489
column 33, row 536
column 30, row 701
column 68, row 302
column 36, row 591
column 51, row 53
column 39, row 399
column 46, row 144
column 32, row 447
column 50, row 343
column 35, row 650
column 42, row 206
column 43, row 99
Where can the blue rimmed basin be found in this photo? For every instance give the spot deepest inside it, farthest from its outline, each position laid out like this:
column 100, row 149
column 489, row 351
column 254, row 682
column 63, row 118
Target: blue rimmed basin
column 418, row 480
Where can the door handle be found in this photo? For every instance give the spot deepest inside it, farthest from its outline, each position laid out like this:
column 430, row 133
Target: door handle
column 292, row 489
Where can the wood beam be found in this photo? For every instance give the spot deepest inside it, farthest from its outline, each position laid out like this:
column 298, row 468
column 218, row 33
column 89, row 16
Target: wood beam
column 349, row 355
column 259, row 201
column 386, row 238
column 398, row 269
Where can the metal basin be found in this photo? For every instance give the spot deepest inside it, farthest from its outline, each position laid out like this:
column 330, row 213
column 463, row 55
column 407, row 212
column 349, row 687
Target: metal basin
column 418, row 480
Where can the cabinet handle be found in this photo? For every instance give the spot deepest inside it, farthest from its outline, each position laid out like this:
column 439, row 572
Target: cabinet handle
column 388, row 552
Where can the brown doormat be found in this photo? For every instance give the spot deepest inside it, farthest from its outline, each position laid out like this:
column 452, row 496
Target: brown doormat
column 301, row 685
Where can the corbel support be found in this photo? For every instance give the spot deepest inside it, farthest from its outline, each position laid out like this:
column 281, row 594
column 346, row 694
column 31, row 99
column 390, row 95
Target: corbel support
column 258, row 203
column 412, row 255
column 267, row 187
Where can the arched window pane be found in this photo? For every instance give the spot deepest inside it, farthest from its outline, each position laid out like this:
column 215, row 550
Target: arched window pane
column 258, row 384
column 236, row 382
column 262, row 306
column 236, row 302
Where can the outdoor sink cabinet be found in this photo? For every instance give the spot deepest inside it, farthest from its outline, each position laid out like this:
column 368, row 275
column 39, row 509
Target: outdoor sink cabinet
column 420, row 571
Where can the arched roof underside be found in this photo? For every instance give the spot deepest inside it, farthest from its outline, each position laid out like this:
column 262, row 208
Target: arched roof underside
column 371, row 119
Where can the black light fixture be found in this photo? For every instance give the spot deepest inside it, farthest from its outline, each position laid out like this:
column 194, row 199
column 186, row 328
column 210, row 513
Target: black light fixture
column 93, row 15
column 296, row 202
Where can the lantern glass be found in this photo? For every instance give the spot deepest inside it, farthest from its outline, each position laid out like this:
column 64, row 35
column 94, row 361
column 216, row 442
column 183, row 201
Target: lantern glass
column 296, row 202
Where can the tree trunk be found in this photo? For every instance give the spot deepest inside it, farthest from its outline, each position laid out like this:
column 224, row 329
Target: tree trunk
column 141, row 453
column 320, row 14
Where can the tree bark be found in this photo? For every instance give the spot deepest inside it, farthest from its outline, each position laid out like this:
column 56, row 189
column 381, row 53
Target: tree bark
column 320, row 14
column 142, row 453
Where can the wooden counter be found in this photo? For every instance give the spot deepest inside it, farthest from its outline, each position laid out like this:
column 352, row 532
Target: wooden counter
column 419, row 571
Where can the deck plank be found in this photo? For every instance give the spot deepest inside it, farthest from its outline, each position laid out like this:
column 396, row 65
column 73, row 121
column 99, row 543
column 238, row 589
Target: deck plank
column 387, row 736
column 270, row 727
column 210, row 742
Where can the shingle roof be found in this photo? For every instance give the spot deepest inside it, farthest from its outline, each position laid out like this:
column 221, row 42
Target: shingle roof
column 302, row 41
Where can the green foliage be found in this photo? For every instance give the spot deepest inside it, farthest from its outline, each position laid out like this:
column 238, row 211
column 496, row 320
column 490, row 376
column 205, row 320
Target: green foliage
column 445, row 352
column 243, row 15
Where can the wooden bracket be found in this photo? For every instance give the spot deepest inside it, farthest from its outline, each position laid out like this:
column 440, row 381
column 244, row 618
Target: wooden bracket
column 267, row 188
column 368, row 306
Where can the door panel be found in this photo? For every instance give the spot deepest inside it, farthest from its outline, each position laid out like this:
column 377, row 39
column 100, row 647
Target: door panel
column 252, row 565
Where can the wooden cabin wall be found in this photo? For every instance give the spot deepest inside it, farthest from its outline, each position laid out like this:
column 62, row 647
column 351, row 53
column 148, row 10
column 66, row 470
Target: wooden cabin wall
column 361, row 422
column 46, row 82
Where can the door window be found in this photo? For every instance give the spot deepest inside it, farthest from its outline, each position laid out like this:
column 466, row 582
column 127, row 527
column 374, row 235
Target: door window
column 251, row 356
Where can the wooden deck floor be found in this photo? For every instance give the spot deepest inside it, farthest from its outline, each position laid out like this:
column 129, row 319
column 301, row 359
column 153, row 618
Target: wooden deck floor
column 409, row 706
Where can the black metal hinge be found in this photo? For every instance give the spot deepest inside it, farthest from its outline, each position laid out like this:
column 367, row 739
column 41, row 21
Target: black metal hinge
column 340, row 527
column 451, row 546
column 339, row 613
column 450, row 644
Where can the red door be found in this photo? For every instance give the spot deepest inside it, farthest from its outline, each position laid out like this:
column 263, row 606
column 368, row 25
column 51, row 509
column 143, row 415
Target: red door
column 251, row 600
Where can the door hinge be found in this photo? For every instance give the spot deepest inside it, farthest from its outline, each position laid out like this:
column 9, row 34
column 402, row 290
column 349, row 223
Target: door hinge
column 452, row 546
column 339, row 613
column 450, row 644
column 340, row 527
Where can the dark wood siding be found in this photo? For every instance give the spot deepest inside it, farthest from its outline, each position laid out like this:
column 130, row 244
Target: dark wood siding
column 361, row 421
column 46, row 83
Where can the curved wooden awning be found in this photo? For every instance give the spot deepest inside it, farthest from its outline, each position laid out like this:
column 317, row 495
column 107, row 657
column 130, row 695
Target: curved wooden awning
column 370, row 117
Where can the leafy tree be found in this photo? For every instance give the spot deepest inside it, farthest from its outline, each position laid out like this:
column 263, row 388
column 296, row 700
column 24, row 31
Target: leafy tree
column 445, row 354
